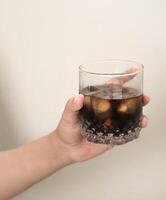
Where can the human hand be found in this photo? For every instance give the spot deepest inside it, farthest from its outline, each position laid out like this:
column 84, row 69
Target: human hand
column 68, row 132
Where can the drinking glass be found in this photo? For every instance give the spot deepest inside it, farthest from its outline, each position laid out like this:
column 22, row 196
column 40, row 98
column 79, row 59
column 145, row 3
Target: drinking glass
column 112, row 108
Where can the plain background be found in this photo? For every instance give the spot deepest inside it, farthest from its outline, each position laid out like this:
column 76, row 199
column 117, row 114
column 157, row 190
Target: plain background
column 41, row 45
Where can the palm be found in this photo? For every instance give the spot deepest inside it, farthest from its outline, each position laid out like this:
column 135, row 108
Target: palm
column 86, row 150
column 81, row 148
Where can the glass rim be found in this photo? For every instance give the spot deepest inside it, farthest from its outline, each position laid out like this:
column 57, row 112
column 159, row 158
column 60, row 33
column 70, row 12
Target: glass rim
column 135, row 63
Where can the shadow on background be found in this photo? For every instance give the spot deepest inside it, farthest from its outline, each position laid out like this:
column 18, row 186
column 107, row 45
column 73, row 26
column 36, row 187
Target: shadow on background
column 8, row 138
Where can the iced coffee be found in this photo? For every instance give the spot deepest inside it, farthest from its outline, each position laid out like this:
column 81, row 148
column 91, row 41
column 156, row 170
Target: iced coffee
column 110, row 116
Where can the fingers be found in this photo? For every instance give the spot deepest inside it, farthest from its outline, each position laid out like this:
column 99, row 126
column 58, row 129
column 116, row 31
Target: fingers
column 72, row 107
column 146, row 99
column 144, row 122
column 76, row 103
column 128, row 75
column 132, row 71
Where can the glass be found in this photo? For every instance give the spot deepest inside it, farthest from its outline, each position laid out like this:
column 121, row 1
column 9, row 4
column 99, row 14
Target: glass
column 113, row 104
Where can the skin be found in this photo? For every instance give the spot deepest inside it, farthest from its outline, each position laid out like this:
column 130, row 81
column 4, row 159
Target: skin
column 24, row 166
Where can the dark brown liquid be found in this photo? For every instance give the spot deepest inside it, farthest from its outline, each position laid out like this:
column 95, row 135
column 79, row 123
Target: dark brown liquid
column 111, row 116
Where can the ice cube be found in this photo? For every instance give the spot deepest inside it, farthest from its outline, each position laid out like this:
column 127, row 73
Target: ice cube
column 87, row 101
column 122, row 108
column 107, row 122
column 100, row 105
column 117, row 91
column 104, row 94
column 128, row 106
column 92, row 88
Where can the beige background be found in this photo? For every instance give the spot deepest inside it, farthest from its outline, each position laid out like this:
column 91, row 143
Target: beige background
column 41, row 45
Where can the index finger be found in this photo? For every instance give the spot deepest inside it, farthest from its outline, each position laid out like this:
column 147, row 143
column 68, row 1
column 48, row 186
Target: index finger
column 146, row 99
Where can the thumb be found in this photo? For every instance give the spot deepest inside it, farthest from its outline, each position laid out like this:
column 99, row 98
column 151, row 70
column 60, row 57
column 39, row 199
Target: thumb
column 73, row 105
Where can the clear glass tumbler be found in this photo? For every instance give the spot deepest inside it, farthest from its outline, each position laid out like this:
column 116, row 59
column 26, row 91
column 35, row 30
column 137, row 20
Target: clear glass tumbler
column 113, row 104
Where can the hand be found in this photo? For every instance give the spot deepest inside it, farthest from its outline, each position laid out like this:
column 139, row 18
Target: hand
column 68, row 132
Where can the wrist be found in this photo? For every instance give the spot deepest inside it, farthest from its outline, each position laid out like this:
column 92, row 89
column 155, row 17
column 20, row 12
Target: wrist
column 60, row 150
